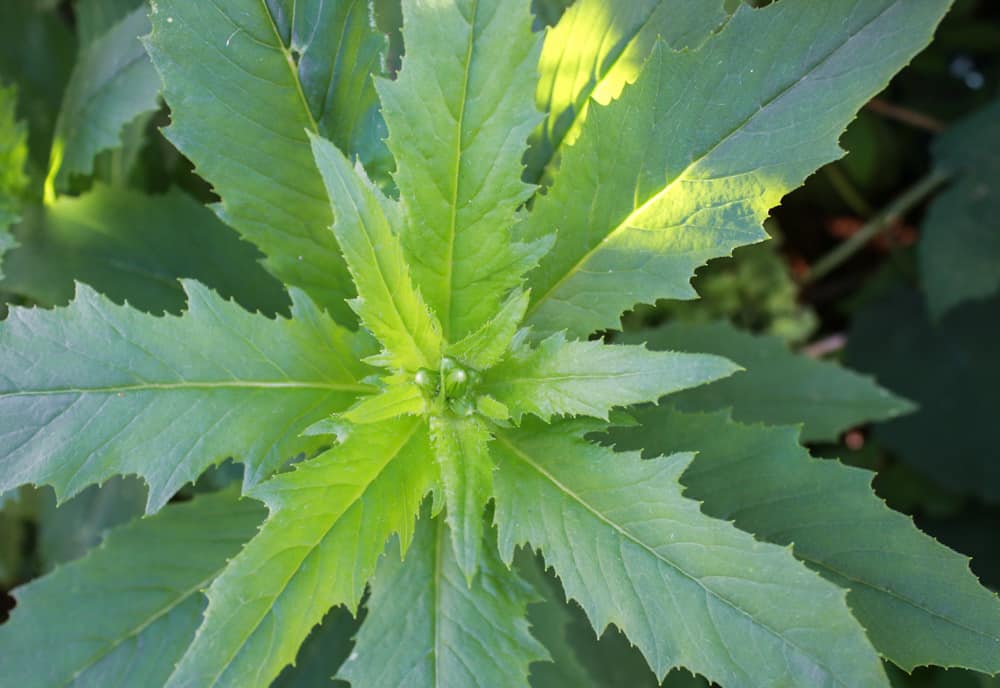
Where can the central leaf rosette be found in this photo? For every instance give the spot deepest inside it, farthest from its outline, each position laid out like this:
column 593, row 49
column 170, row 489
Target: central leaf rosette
column 472, row 374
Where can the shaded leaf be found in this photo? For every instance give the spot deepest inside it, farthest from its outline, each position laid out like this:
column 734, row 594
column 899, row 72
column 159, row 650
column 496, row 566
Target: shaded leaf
column 123, row 614
column 95, row 389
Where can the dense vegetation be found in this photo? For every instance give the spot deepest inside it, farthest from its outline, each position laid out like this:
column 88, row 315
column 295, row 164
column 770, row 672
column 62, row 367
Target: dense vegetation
column 489, row 342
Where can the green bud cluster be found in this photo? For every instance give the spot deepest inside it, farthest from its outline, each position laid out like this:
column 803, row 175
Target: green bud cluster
column 451, row 388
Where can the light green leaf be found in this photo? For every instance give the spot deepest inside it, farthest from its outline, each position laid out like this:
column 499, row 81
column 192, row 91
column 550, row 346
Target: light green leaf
column 463, row 456
column 329, row 521
column 131, row 246
column 597, row 48
column 685, row 165
column 778, row 387
column 426, row 628
column 484, row 347
column 241, row 109
column 112, row 84
column 960, row 242
column 687, row 589
column 399, row 399
column 388, row 303
column 95, row 390
column 134, row 606
column 321, row 655
column 570, row 378
column 459, row 116
column 917, row 599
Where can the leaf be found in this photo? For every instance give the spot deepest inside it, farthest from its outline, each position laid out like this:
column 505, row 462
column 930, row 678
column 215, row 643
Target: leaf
column 685, row 165
column 128, row 245
column 427, row 628
column 459, row 116
column 925, row 607
column 960, row 244
column 112, row 84
column 460, row 445
column 68, row 531
column 388, row 304
column 590, row 378
column 687, row 589
column 13, row 149
column 402, row 398
column 595, row 49
column 950, row 369
column 321, row 655
column 329, row 521
column 95, row 17
column 777, row 387
column 134, row 607
column 241, row 109
column 482, row 348
column 95, row 390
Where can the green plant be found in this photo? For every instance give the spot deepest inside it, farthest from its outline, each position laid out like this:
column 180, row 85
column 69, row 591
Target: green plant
column 431, row 384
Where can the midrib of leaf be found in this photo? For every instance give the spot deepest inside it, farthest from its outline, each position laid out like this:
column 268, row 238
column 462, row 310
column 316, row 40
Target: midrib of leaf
column 459, row 141
column 309, row 549
column 174, row 386
column 500, row 436
column 288, row 59
column 701, row 156
column 155, row 616
column 438, row 540
column 587, row 92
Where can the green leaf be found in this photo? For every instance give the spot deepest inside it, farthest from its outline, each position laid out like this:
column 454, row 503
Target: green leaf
column 131, row 246
column 951, row 370
column 241, row 110
column 134, row 606
column 777, row 387
column 329, row 521
column 112, row 84
column 459, row 116
column 388, row 303
column 687, row 589
column 95, row 390
column 597, row 48
column 95, row 17
column 13, row 149
column 484, row 347
column 461, row 448
column 960, row 244
column 685, row 165
column 925, row 607
column 398, row 399
column 569, row 378
column 323, row 652
column 426, row 628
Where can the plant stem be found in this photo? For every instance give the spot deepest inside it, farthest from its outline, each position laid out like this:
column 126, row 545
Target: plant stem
column 907, row 116
column 847, row 191
column 878, row 224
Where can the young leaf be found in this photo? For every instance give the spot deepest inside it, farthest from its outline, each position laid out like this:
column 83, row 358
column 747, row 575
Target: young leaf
column 960, row 244
column 241, row 110
column 685, row 165
column 112, row 84
column 387, row 303
column 925, row 607
column 398, row 399
column 687, row 589
column 459, row 116
column 461, row 447
column 131, row 246
column 324, row 651
column 329, row 521
column 590, row 378
column 426, row 628
column 95, row 390
column 135, row 607
column 777, row 387
column 595, row 50
column 484, row 347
